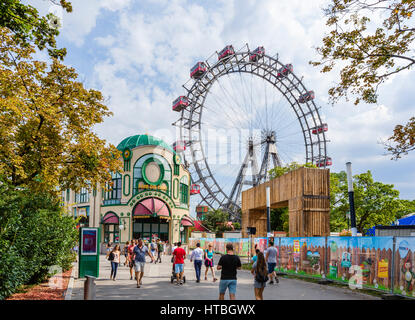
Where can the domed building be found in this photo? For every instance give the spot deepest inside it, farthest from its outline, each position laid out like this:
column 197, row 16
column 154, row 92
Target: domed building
column 150, row 198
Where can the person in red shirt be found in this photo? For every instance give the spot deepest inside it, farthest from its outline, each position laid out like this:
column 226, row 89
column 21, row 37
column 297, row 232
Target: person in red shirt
column 179, row 255
column 130, row 251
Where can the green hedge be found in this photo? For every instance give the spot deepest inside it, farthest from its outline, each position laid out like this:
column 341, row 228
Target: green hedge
column 35, row 234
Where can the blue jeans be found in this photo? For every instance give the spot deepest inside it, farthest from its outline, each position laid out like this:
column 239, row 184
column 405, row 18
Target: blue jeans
column 198, row 268
column 114, row 267
column 227, row 284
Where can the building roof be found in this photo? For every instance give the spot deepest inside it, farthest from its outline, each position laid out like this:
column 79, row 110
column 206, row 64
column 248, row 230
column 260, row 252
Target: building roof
column 408, row 220
column 143, row 140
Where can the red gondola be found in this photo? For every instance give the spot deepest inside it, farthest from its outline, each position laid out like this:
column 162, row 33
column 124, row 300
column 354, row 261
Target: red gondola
column 179, row 146
column 195, row 189
column 283, row 72
column 324, row 162
column 198, row 70
column 226, row 52
column 320, row 129
column 257, row 54
column 180, row 103
column 309, row 95
column 203, row 209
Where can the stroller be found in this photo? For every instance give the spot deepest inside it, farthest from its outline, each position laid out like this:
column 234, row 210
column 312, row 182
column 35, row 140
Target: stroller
column 174, row 275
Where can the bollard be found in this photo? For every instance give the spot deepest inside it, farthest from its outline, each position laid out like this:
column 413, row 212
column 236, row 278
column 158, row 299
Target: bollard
column 89, row 288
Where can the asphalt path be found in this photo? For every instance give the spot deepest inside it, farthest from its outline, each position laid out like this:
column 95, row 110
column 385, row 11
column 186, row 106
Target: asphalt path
column 156, row 285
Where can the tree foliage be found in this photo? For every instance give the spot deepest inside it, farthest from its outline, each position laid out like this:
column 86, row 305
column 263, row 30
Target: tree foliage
column 279, row 219
column 371, row 40
column 279, row 171
column 35, row 234
column 28, row 27
column 216, row 221
column 46, row 122
column 376, row 203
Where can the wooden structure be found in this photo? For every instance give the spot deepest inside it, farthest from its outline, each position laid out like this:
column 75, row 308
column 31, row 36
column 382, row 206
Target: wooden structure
column 306, row 193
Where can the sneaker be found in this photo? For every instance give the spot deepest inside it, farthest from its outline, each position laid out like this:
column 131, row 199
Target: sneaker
column 181, row 283
column 138, row 286
column 271, row 282
column 131, row 278
column 277, row 280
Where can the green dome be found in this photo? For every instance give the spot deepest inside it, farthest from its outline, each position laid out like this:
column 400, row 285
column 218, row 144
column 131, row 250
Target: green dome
column 143, row 140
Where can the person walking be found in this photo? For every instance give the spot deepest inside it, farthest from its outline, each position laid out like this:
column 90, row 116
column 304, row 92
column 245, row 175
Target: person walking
column 140, row 251
column 260, row 271
column 271, row 259
column 153, row 248
column 179, row 255
column 255, row 257
column 108, row 248
column 125, row 251
column 197, row 256
column 229, row 264
column 209, row 261
column 159, row 250
column 130, row 257
column 114, row 257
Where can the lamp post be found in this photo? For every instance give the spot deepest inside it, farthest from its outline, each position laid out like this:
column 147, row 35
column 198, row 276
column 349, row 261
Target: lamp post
column 351, row 198
column 267, row 190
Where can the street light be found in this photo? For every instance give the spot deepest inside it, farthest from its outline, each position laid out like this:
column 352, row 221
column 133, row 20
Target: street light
column 351, row 198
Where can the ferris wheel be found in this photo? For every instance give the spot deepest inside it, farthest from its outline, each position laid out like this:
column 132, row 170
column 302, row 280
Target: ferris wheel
column 244, row 113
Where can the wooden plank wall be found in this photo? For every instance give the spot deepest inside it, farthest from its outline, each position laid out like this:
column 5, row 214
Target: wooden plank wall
column 306, row 191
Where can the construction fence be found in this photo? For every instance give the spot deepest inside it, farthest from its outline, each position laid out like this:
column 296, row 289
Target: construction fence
column 384, row 264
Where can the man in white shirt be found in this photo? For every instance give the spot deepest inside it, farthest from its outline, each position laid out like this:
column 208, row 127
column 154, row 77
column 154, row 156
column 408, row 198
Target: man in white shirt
column 197, row 256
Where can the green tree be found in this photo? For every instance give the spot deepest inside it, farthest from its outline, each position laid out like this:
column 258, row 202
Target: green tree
column 279, row 219
column 46, row 122
column 279, row 171
column 35, row 234
column 214, row 220
column 28, row 27
column 369, row 53
column 376, row 203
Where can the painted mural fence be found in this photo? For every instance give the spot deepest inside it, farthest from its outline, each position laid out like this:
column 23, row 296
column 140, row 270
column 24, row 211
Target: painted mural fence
column 302, row 256
column 384, row 264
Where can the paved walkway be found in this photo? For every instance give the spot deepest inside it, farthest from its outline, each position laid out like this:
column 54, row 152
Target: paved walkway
column 157, row 286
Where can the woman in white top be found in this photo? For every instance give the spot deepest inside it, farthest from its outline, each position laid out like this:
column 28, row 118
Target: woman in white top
column 115, row 254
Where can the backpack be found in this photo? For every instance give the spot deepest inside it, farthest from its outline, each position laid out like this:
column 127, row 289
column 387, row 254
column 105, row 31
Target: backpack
column 260, row 278
column 111, row 256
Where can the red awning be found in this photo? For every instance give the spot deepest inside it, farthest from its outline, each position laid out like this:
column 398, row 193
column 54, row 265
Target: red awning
column 151, row 206
column 110, row 218
column 200, row 227
column 187, row 222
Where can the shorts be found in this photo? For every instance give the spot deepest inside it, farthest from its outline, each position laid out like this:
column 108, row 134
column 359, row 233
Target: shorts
column 179, row 268
column 227, row 284
column 139, row 266
column 271, row 267
column 209, row 263
column 259, row 285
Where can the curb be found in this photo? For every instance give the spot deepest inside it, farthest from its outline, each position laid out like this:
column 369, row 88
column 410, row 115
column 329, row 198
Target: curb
column 68, row 292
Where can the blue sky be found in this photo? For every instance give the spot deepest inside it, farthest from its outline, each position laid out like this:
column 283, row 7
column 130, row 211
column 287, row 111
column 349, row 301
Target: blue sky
column 138, row 54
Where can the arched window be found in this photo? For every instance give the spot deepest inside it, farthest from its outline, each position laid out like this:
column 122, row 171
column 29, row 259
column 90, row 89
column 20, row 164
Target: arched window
column 113, row 193
column 152, row 172
column 184, row 190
